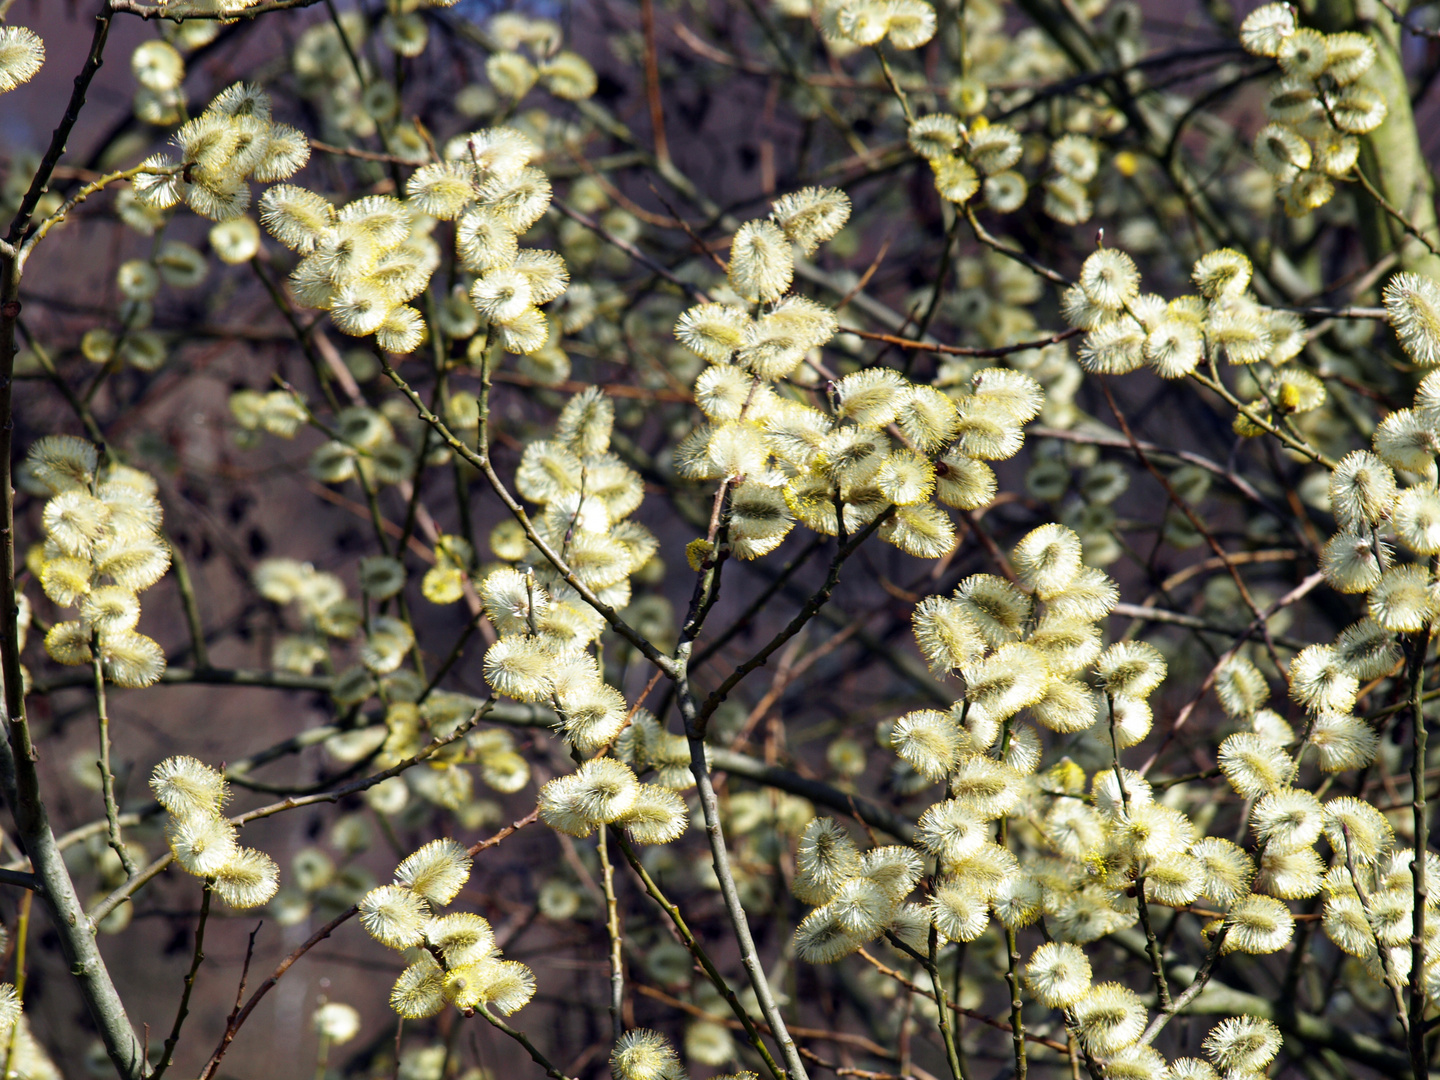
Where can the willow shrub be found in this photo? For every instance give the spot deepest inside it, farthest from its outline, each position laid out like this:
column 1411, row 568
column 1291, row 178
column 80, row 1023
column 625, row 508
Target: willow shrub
column 1138, row 791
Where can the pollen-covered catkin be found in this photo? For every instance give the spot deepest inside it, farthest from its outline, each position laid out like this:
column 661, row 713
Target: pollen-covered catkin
column 203, row 841
column 102, row 548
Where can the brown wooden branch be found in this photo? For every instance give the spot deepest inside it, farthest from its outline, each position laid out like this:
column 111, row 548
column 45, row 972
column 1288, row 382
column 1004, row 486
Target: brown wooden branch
column 177, row 12
column 965, row 350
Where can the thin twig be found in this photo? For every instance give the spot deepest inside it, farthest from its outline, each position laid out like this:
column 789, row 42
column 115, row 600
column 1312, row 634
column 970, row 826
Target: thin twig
column 1389, row 208
column 955, row 1007
column 691, row 943
column 1295, row 594
column 612, row 928
column 1419, row 1055
column 652, row 82
column 177, row 12
column 167, row 1055
column 238, row 1018
column 19, row 777
column 1195, row 521
column 964, row 350
column 22, row 937
column 536, row 1056
column 136, row 881
column 107, row 775
column 482, row 462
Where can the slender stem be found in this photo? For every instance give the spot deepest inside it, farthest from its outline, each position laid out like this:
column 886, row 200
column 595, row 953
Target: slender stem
column 701, row 956
column 1298, row 445
column 758, row 603
column 40, row 183
column 520, row 1037
column 1419, row 1058
column 947, row 1033
column 481, row 461
column 995, row 244
column 612, row 927
column 240, row 1014
column 1017, row 1017
column 136, row 881
column 193, row 621
column 179, row 676
column 1381, row 951
column 19, row 777
column 345, row 43
column 1195, row 521
column 652, row 82
column 19, row 878
column 84, row 193
column 1389, row 208
column 177, row 12
column 167, row 1055
column 894, row 86
column 22, row 934
column 1152, row 947
column 734, row 909
column 797, row 623
column 1012, row 945
column 322, row 1056
column 107, row 777
column 232, row 1027
column 1191, row 992
column 915, row 988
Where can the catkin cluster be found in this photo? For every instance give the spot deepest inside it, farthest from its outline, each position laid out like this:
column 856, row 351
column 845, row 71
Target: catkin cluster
column 588, row 495
column 881, row 449
column 102, row 548
column 604, row 791
column 1367, row 886
column 203, row 840
column 220, row 151
column 969, row 154
column 643, row 1054
column 1384, row 500
column 961, row 154
column 320, row 600
column 487, row 185
column 906, row 24
column 1317, row 107
column 159, row 70
column 362, row 263
column 545, row 627
column 1016, row 647
column 1126, row 329
column 528, row 51
column 1091, row 848
column 453, row 959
